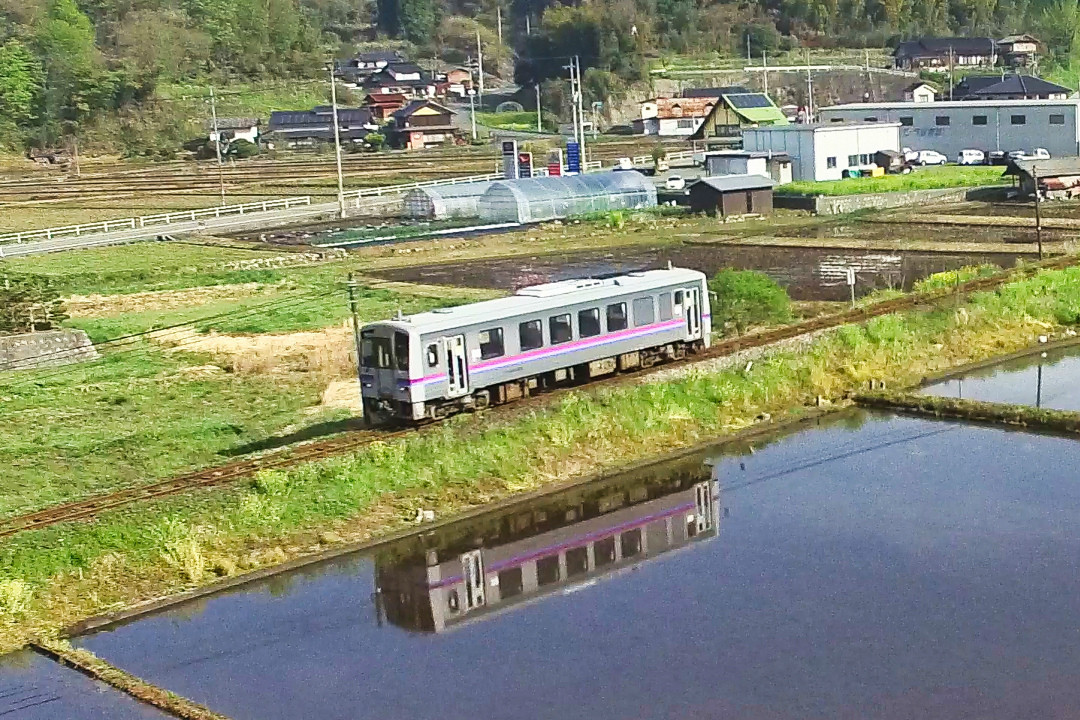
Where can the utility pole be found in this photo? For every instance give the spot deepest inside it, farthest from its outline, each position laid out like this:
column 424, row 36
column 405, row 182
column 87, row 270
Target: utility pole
column 472, row 110
column 498, row 16
column 337, row 144
column 539, row 124
column 765, row 71
column 748, row 60
column 573, row 98
column 480, row 66
column 1038, row 213
column 952, row 82
column 809, row 92
column 580, row 106
column 356, row 328
column 217, row 144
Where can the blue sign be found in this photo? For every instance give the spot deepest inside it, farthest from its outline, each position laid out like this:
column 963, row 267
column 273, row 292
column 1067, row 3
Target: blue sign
column 573, row 157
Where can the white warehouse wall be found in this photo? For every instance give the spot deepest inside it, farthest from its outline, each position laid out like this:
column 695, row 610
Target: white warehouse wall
column 823, row 152
column 923, row 126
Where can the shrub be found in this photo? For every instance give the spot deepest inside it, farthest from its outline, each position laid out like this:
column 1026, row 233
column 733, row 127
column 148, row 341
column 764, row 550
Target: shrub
column 375, row 140
column 243, row 149
column 742, row 298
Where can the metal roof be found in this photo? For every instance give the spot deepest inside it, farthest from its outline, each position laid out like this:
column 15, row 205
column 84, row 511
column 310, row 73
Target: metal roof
column 541, row 298
column 735, row 183
column 755, row 108
column 1046, row 167
column 1020, row 85
column 952, row 104
column 937, row 47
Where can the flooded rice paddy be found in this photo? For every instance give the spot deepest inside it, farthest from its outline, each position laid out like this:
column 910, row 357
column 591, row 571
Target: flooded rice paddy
column 1048, row 380
column 868, row 567
column 35, row 688
column 807, row 273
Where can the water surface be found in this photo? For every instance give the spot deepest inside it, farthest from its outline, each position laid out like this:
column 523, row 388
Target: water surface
column 1049, row 380
column 35, row 688
column 877, row 568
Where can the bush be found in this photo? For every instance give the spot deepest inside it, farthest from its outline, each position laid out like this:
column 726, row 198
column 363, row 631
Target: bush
column 742, row 298
column 243, row 149
column 375, row 140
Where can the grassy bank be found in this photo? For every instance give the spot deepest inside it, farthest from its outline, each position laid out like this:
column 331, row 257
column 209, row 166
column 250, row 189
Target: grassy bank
column 55, row 576
column 926, row 178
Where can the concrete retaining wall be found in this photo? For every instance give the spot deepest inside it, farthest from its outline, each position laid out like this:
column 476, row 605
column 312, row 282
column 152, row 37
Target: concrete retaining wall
column 45, row 349
column 840, row 204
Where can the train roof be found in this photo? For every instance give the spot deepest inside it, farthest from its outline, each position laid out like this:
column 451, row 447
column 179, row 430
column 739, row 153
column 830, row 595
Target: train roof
column 538, row 298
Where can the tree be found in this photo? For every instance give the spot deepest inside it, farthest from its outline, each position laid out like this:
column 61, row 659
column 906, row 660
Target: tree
column 742, row 298
column 21, row 82
column 375, row 141
column 76, row 79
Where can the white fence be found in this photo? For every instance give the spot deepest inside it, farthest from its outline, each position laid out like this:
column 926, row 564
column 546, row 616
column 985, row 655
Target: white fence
column 162, row 220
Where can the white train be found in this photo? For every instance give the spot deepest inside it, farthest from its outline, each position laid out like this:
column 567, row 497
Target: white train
column 433, row 364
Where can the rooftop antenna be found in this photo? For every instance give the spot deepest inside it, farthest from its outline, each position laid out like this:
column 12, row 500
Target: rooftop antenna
column 400, row 315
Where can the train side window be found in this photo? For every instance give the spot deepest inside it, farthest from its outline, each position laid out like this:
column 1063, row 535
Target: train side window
column 631, row 543
column 604, row 551
column 678, row 298
column 665, row 306
column 491, row 343
column 577, row 561
column 433, row 355
column 547, row 570
column 616, row 317
column 644, row 313
column 510, row 583
column 561, row 332
column 401, row 350
column 588, row 322
column 531, row 334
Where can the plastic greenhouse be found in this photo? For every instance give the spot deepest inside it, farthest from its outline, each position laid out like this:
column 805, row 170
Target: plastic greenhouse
column 441, row 202
column 549, row 198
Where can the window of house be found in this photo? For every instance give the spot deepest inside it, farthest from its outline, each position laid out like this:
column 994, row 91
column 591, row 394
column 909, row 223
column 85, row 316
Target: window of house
column 401, row 350
column 616, row 317
column 588, row 322
column 644, row 314
column 510, row 583
column 870, row 119
column 665, row 306
column 864, row 159
column 577, row 561
column 531, row 335
column 978, row 120
column 560, row 330
column 433, row 354
column 1018, row 119
column 1057, row 119
column 852, row 160
column 830, row 162
column 686, row 123
column 941, row 120
column 491, row 343
column 907, row 120
column 547, row 570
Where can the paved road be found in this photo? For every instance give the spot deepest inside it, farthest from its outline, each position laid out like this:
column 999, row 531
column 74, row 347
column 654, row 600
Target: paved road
column 232, row 223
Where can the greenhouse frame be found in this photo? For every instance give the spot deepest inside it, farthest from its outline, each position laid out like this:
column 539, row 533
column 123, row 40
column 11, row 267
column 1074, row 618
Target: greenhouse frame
column 443, row 202
column 550, row 198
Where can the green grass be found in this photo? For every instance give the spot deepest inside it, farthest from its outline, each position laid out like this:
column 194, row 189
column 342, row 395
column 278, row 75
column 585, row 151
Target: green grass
column 925, row 178
column 524, row 121
column 58, row 575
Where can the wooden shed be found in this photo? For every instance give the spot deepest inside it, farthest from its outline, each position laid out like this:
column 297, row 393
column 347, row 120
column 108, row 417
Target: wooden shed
column 728, row 195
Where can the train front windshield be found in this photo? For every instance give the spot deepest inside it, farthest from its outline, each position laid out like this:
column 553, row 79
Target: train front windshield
column 382, row 353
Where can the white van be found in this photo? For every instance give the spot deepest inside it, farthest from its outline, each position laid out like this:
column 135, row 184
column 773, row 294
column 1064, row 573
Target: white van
column 971, row 157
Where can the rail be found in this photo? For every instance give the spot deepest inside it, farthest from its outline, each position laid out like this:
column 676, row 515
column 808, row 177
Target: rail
column 160, row 220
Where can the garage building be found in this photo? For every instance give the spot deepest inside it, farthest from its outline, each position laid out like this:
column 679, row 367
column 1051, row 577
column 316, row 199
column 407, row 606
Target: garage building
column 823, row 151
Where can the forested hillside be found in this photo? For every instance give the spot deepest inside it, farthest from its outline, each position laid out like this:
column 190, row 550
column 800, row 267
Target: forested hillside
column 103, row 68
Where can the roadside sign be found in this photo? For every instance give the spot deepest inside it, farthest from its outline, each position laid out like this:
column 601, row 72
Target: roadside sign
column 573, row 158
column 510, row 159
column 524, row 165
column 851, row 276
column 555, row 163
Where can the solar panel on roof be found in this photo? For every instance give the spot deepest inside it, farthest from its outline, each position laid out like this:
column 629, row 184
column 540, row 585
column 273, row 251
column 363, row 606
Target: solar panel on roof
column 750, row 100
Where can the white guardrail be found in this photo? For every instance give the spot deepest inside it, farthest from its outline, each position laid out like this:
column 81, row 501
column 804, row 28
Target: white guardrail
column 162, row 220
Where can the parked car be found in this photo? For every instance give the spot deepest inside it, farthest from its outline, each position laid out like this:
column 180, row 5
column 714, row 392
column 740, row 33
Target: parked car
column 675, row 182
column 1036, row 154
column 624, row 164
column 998, row 157
column 971, row 157
column 931, row 157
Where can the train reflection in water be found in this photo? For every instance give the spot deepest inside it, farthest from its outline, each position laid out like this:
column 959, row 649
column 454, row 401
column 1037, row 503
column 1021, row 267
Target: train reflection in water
column 475, row 568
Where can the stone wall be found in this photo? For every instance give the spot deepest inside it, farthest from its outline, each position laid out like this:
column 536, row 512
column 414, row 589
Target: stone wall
column 841, row 204
column 45, row 349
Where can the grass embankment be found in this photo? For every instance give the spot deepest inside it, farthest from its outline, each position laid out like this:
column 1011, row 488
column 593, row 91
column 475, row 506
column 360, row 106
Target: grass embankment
column 1058, row 421
column 524, row 121
column 925, row 178
column 52, row 577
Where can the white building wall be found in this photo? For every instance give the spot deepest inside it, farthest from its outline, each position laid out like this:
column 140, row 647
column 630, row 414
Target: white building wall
column 923, row 127
column 820, row 152
column 679, row 127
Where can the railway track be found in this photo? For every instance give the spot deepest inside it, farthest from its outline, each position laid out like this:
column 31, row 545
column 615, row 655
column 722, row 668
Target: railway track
column 90, row 507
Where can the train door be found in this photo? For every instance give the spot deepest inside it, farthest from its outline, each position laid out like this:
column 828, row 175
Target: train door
column 704, row 506
column 692, row 308
column 472, row 572
column 457, row 366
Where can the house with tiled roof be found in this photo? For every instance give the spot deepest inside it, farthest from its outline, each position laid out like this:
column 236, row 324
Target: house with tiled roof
column 673, row 117
column 945, row 52
column 424, row 123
